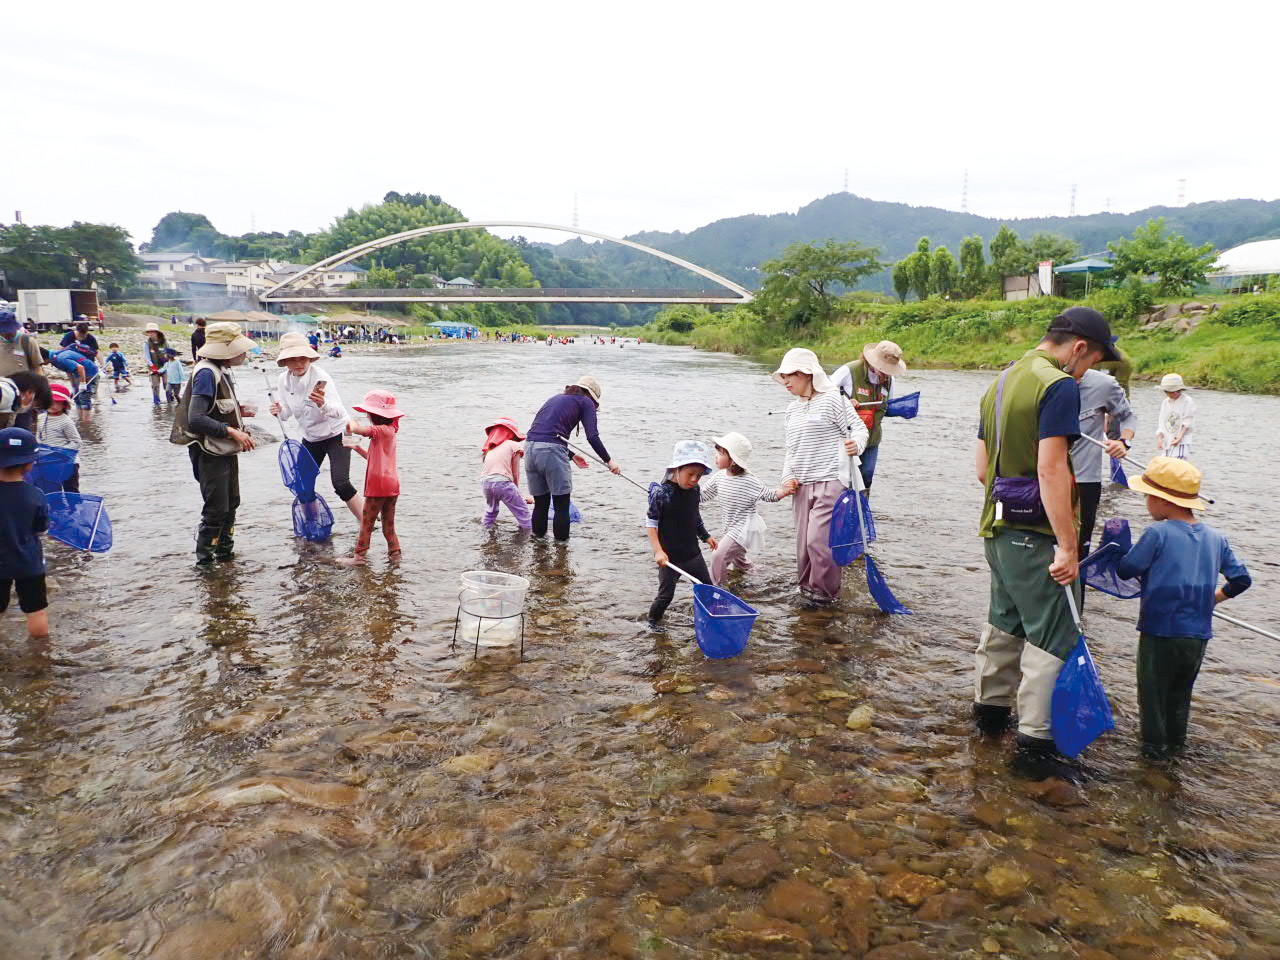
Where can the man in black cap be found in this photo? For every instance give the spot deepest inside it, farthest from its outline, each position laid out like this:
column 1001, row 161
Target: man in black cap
column 1029, row 418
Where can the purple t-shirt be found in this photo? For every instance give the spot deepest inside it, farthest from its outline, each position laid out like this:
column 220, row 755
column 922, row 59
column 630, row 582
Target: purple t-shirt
column 558, row 417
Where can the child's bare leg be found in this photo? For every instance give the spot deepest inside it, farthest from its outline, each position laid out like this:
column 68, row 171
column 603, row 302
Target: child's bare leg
column 389, row 526
column 38, row 624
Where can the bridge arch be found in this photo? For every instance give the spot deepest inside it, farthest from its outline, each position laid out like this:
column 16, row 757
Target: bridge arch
column 743, row 295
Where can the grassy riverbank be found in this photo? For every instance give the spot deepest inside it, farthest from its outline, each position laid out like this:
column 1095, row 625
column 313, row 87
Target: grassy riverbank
column 1234, row 345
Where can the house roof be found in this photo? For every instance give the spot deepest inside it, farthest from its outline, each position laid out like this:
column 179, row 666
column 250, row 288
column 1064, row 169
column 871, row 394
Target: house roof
column 463, row 281
column 172, row 257
column 346, row 268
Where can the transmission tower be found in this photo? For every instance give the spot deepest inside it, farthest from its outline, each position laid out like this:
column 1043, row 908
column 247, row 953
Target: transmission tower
column 964, row 193
column 846, row 179
column 1073, row 201
column 575, row 209
column 1182, row 193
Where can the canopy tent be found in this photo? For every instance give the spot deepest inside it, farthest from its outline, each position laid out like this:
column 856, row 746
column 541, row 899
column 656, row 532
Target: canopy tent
column 1089, row 266
column 451, row 328
column 223, row 315
column 304, row 318
column 351, row 319
column 1259, row 258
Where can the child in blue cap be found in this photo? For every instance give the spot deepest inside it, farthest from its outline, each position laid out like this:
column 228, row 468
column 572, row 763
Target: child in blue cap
column 24, row 515
column 674, row 523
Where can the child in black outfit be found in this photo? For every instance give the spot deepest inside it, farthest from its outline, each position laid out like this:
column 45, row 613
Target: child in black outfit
column 675, row 524
column 24, row 515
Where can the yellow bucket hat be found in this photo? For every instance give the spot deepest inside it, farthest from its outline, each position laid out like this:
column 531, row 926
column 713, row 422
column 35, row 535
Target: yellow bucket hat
column 1174, row 480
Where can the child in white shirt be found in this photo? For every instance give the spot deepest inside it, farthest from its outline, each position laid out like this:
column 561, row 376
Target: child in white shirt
column 1177, row 419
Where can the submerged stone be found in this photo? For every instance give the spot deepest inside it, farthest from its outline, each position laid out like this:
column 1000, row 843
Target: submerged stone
column 1200, row 916
column 860, row 717
column 911, row 888
column 796, row 900
column 750, row 866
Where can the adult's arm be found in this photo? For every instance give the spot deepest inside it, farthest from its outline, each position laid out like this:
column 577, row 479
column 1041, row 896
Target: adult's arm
column 588, row 415
column 1055, row 493
column 980, row 460
column 1122, row 413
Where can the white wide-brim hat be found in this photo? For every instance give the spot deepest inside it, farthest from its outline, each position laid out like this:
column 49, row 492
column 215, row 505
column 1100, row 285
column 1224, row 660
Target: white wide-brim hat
column 295, row 345
column 738, row 447
column 1171, row 382
column 802, row 360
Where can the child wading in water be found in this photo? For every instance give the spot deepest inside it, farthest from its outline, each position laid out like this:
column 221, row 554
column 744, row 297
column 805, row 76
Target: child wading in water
column 119, row 368
column 1177, row 418
column 175, row 375
column 675, row 524
column 738, row 491
column 381, row 482
column 1178, row 561
column 500, row 476
column 24, row 515
column 56, row 428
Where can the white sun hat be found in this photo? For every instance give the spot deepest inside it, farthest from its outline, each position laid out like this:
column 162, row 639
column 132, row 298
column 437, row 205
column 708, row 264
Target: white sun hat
column 738, row 447
column 801, row 360
column 1171, row 382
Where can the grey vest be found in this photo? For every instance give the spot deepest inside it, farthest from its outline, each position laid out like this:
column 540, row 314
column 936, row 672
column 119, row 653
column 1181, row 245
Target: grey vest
column 226, row 409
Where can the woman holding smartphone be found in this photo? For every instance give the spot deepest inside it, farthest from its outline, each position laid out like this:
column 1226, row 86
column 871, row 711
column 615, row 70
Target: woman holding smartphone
column 309, row 395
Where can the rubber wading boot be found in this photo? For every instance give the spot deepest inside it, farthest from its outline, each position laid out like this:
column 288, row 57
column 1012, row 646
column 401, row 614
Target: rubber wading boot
column 992, row 720
column 206, row 541
column 225, row 546
column 1038, row 759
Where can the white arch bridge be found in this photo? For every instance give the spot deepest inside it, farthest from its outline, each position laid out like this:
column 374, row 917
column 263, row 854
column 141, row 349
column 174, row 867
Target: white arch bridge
column 293, row 289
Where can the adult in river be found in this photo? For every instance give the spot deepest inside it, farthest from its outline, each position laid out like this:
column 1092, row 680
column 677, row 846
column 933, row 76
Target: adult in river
column 868, row 382
column 821, row 428
column 309, row 395
column 153, row 356
column 546, row 453
column 1029, row 417
column 197, row 336
column 1102, row 402
column 19, row 353
column 210, row 423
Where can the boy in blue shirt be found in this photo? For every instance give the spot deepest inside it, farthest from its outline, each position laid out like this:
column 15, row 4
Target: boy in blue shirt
column 174, row 376
column 1178, row 561
column 24, row 515
column 119, row 368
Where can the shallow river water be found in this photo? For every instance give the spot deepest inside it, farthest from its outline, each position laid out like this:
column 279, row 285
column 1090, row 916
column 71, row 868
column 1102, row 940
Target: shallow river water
column 286, row 759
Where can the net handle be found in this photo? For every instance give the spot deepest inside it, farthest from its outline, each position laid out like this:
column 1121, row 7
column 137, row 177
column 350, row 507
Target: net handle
column 1075, row 611
column 1141, row 466
column 688, row 576
column 272, row 397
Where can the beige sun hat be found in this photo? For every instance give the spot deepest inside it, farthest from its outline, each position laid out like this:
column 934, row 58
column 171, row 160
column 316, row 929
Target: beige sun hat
column 152, row 328
column 1171, row 382
column 738, row 447
column 801, row 360
column 295, row 345
column 1170, row 479
column 224, row 341
column 589, row 384
column 885, row 356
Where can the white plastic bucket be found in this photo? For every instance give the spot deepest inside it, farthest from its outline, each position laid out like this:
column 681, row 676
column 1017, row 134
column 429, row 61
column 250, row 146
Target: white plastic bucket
column 492, row 603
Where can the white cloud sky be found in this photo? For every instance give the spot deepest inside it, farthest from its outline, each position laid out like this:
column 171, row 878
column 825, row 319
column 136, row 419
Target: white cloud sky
column 659, row 116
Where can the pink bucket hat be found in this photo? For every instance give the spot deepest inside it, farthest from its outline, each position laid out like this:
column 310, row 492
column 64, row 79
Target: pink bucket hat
column 381, row 402
column 509, row 423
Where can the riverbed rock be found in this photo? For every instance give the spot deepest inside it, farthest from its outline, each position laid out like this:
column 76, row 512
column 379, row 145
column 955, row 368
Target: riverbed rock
column 798, row 901
column 383, row 744
column 207, row 938
column 471, row 764
column 1200, row 916
column 900, row 951
column 813, row 793
column 255, row 790
column 949, row 905
column 833, row 694
column 476, row 902
column 750, row 865
column 261, row 902
column 860, row 718
column 1006, row 881
column 752, row 933
column 911, row 888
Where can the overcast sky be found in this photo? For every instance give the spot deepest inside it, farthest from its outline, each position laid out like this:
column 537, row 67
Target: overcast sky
column 659, row 116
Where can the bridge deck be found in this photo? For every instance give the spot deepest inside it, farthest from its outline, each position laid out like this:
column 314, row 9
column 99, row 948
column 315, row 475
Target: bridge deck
column 506, row 295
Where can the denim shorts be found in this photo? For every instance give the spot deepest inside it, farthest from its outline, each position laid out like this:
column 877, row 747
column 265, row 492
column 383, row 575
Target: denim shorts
column 547, row 468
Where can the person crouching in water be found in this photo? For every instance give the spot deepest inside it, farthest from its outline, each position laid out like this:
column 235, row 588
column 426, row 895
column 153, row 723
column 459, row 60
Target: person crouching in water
column 309, row 395
column 210, row 422
column 738, row 491
column 674, row 523
column 381, row 481
column 502, row 451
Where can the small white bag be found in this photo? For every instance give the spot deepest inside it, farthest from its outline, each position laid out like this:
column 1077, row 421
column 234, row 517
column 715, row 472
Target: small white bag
column 753, row 541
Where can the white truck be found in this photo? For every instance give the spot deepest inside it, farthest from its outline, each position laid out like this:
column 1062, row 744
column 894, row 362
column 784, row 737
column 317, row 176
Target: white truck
column 57, row 309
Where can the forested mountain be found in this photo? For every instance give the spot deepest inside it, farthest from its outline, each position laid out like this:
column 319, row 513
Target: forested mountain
column 735, row 246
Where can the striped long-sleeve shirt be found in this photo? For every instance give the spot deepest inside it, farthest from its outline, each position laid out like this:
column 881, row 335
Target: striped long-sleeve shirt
column 738, row 496
column 816, row 431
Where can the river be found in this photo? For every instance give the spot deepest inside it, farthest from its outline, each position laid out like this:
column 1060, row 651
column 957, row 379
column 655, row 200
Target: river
column 286, row 759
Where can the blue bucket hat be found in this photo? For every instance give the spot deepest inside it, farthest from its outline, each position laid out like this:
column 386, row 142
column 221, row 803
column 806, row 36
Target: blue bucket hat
column 9, row 323
column 17, row 446
column 686, row 452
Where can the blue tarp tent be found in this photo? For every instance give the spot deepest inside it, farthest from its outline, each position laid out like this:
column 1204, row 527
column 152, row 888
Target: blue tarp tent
column 1089, row 266
column 452, row 328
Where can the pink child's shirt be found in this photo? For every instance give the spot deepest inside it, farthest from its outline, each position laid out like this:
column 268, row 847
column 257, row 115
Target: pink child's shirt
column 380, row 477
column 504, row 461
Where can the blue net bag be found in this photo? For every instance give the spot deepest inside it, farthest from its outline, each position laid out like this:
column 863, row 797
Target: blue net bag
column 905, row 407
column 880, row 592
column 721, row 621
column 1098, row 570
column 53, row 467
column 1079, row 712
column 575, row 515
column 298, row 470
column 80, row 520
column 1117, row 473
column 846, row 537
column 312, row 519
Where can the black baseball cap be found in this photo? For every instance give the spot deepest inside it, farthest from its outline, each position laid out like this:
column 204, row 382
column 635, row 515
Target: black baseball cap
column 1090, row 324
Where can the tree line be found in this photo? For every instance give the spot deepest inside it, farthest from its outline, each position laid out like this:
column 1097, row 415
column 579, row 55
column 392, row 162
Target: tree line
column 43, row 257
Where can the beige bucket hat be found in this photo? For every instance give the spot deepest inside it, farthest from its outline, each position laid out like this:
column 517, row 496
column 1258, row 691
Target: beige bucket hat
column 152, row 328
column 738, row 447
column 295, row 345
column 224, row 341
column 801, row 360
column 1171, row 382
column 589, row 384
column 885, row 356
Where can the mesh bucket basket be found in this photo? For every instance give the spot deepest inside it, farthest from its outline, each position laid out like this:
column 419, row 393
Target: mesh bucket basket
column 489, row 606
column 312, row 520
column 721, row 622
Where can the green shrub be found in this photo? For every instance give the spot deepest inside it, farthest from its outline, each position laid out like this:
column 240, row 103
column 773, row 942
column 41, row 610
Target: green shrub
column 1251, row 311
column 1123, row 302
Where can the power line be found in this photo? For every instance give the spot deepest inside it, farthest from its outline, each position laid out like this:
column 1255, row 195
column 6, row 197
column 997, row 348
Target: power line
column 575, row 209
column 964, row 193
column 1073, row 201
column 1182, row 192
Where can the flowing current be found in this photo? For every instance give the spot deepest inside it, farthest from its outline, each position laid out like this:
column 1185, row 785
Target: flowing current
column 286, row 759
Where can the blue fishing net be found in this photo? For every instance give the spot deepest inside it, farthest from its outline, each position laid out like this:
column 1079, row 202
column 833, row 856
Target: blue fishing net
column 721, row 621
column 1079, row 712
column 881, row 593
column 1117, row 473
column 312, row 519
column 298, row 470
column 846, row 537
column 80, row 520
column 575, row 515
column 53, row 467
column 906, row 406
column 1098, row 570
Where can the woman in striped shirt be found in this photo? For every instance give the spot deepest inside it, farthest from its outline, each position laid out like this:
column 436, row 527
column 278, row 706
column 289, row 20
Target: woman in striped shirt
column 821, row 428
